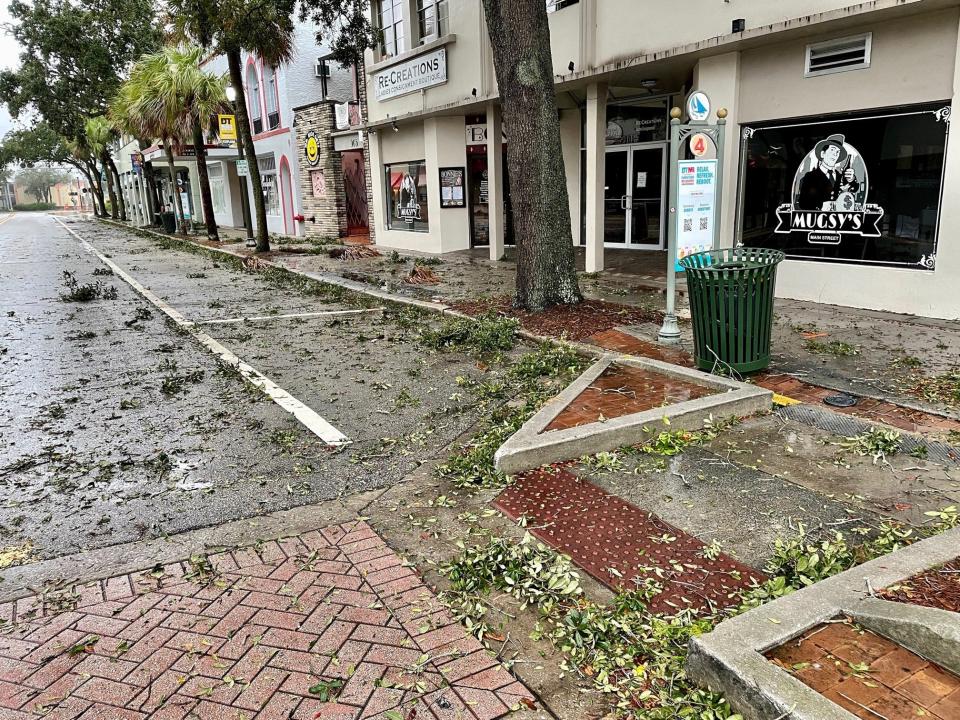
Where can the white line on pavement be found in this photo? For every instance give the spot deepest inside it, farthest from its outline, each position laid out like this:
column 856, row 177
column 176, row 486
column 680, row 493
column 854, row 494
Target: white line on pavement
column 289, row 315
column 310, row 419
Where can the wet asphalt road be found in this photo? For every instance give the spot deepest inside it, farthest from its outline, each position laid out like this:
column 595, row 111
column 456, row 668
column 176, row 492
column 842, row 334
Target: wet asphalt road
column 117, row 426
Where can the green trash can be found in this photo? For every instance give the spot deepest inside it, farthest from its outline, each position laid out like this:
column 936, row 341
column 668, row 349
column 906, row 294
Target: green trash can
column 731, row 305
column 169, row 222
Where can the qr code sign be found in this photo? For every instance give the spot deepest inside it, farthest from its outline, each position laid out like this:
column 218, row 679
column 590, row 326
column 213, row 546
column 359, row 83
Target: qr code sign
column 687, row 225
column 703, row 223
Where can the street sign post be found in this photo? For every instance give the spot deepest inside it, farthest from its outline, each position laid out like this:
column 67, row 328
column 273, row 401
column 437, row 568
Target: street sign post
column 695, row 194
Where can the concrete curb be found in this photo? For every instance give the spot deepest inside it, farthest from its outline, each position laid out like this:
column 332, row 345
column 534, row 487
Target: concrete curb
column 531, row 447
column 930, row 632
column 729, row 659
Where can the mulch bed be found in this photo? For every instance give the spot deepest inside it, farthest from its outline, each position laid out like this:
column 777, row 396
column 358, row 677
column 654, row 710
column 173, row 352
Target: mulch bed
column 937, row 587
column 573, row 322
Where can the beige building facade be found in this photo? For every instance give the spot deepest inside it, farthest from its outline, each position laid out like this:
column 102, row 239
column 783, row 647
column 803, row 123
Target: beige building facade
column 836, row 135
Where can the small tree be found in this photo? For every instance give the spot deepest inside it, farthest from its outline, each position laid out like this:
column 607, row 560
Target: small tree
column 38, row 181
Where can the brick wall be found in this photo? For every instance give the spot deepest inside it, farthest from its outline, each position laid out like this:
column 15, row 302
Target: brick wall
column 362, row 95
column 329, row 210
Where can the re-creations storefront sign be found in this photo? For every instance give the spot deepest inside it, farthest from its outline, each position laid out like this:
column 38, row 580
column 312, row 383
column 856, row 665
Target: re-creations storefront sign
column 415, row 74
column 863, row 189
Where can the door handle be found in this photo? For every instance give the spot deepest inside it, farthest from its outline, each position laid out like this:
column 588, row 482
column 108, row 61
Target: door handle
column 623, row 202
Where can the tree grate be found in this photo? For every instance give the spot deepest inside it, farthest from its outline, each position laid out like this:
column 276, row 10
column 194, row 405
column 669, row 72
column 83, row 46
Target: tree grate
column 848, row 426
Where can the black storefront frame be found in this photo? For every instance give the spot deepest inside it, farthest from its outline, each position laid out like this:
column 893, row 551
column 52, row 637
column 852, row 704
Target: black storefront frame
column 941, row 110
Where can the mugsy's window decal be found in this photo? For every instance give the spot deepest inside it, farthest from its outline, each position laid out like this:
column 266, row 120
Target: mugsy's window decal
column 857, row 189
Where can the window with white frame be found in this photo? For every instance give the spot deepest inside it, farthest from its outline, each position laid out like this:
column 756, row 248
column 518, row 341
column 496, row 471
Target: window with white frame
column 270, row 91
column 253, row 100
column 270, row 184
column 433, row 17
column 390, row 23
column 217, row 192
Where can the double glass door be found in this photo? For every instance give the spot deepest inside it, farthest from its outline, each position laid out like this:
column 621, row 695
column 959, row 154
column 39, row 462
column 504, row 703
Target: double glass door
column 634, row 196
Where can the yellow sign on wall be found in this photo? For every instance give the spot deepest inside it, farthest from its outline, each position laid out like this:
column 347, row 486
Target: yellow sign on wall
column 228, row 127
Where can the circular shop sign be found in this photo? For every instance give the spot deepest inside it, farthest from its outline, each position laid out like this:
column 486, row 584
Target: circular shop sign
column 311, row 148
column 699, row 144
column 698, row 106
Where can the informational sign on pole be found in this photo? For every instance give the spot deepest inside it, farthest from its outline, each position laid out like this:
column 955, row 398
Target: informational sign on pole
column 227, row 127
column 696, row 207
column 242, row 169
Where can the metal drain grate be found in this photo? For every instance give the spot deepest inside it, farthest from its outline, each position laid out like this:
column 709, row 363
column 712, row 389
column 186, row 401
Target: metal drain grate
column 847, row 425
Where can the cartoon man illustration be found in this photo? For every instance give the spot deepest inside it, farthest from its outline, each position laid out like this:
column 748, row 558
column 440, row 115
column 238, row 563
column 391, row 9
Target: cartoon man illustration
column 825, row 185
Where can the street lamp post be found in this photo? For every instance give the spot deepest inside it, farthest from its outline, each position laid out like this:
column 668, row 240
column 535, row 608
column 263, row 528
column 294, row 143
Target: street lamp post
column 244, row 198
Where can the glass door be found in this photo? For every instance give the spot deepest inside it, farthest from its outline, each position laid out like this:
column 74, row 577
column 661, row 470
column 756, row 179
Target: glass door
column 633, row 196
column 615, row 195
column 646, row 206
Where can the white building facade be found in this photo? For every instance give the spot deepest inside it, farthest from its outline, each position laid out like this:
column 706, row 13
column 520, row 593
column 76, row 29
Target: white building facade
column 837, row 134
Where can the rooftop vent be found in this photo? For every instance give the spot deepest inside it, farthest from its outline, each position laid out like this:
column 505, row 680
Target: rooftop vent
column 839, row 55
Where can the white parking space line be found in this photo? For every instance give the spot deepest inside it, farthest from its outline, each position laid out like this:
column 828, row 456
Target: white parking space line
column 325, row 313
column 308, row 417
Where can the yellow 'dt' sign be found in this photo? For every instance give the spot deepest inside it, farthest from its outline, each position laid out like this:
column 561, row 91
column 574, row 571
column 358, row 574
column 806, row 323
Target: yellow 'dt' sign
column 228, row 127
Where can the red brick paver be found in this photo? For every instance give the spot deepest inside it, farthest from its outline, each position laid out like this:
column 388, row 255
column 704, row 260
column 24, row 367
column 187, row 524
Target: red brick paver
column 623, row 390
column 880, row 411
column 330, row 624
column 870, row 676
column 620, row 544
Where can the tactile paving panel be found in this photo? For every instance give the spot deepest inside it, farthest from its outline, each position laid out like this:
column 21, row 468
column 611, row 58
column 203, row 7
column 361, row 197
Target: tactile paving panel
column 620, row 544
column 623, row 390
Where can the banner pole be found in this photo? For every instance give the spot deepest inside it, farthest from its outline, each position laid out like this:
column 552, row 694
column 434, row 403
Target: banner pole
column 670, row 331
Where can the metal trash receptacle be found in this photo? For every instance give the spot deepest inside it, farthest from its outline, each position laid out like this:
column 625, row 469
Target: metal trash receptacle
column 731, row 305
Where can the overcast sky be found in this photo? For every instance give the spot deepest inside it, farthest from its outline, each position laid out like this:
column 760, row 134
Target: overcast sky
column 9, row 54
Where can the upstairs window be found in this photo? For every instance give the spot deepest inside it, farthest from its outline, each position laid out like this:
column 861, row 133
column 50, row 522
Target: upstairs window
column 390, row 20
column 554, row 5
column 253, row 100
column 433, row 18
column 270, row 88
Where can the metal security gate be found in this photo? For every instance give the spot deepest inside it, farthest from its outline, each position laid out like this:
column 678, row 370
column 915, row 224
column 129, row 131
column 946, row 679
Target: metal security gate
column 355, row 183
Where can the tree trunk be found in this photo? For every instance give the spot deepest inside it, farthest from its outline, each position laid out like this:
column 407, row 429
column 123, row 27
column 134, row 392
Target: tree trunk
column 153, row 202
column 116, row 178
column 520, row 37
column 113, row 195
column 96, row 189
column 181, row 221
column 86, row 174
column 206, row 199
column 243, row 124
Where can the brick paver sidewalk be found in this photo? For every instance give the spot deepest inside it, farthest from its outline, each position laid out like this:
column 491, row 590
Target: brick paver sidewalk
column 330, row 625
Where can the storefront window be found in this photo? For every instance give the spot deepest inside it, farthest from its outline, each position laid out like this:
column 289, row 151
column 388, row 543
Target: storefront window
column 856, row 189
column 268, row 181
column 407, row 196
column 636, row 121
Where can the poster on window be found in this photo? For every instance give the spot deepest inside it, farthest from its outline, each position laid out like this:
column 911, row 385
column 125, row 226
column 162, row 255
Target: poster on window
column 451, row 187
column 855, row 189
column 696, row 206
column 407, row 196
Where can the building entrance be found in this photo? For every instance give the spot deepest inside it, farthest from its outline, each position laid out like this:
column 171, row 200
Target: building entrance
column 634, row 189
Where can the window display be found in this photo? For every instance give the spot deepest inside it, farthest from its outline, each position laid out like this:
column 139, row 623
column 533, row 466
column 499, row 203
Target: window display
column 407, row 196
column 857, row 189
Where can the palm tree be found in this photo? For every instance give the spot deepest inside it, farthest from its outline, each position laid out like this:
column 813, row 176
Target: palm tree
column 99, row 134
column 230, row 27
column 84, row 160
column 186, row 98
column 149, row 103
